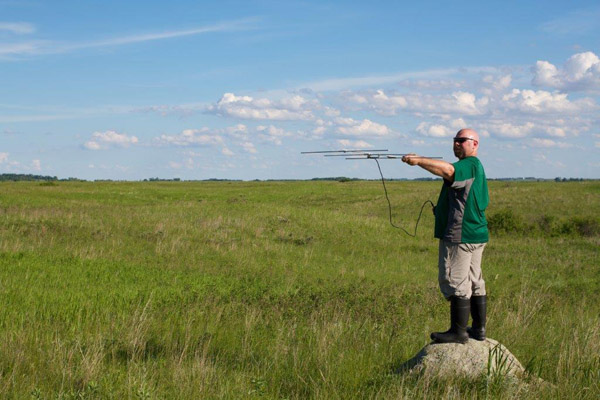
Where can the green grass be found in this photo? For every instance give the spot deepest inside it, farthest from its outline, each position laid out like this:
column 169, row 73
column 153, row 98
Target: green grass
column 281, row 290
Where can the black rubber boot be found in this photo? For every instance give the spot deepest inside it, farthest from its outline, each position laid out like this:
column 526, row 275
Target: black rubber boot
column 459, row 317
column 478, row 311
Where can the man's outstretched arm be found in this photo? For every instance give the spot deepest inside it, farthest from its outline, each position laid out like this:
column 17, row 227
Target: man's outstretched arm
column 437, row 167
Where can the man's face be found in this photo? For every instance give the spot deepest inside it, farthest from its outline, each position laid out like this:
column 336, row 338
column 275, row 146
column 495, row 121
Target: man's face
column 464, row 145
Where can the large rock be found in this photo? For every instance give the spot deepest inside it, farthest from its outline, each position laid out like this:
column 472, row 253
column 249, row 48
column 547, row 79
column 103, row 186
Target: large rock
column 472, row 359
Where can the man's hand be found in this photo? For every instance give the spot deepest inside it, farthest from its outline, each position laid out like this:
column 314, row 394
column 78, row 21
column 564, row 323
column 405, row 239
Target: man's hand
column 440, row 168
column 411, row 159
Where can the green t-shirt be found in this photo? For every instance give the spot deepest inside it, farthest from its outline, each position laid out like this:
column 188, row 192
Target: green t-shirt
column 460, row 210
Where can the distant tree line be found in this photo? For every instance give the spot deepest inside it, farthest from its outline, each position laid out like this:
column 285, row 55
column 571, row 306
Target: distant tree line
column 26, row 177
column 559, row 179
column 30, row 177
column 162, row 180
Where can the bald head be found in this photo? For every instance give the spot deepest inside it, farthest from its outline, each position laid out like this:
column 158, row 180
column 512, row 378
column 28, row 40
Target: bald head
column 468, row 133
column 467, row 143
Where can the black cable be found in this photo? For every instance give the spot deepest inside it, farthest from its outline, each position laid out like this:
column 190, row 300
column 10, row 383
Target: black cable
column 390, row 205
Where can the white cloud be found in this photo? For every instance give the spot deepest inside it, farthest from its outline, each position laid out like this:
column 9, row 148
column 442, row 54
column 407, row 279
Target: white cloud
column 19, row 28
column 319, row 131
column 434, row 130
column 272, row 131
column 22, row 48
column 36, row 165
column 555, row 131
column 458, row 124
column 508, row 129
column 537, row 142
column 431, row 84
column 541, row 101
column 225, row 151
column 377, row 101
column 272, row 134
column 3, row 157
column 48, row 47
column 190, row 137
column 331, row 112
column 378, row 80
column 182, row 110
column 463, row 103
column 354, row 144
column 580, row 72
column 366, row 127
column 494, row 84
column 239, row 131
column 246, row 107
column 249, row 147
column 104, row 140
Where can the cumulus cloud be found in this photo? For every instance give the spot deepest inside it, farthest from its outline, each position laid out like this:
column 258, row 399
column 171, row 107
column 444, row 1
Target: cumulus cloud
column 366, row 128
column 434, row 130
column 247, row 107
column 3, row 157
column 540, row 101
column 377, row 101
column 272, row 134
column 464, row 103
column 107, row 139
column 580, row 72
column 507, row 129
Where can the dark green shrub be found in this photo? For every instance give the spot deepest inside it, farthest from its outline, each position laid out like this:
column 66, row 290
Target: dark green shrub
column 584, row 226
column 505, row 221
column 548, row 224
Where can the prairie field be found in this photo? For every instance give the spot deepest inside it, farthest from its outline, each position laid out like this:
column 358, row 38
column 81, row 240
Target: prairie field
column 282, row 290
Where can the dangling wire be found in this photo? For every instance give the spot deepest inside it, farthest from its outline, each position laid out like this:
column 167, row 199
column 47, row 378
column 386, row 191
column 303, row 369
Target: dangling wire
column 390, row 205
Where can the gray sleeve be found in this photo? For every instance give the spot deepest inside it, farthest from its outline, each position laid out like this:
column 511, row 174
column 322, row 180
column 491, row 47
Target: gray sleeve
column 462, row 184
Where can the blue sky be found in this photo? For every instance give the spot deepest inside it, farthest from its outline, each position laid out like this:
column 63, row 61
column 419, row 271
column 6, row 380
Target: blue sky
column 236, row 90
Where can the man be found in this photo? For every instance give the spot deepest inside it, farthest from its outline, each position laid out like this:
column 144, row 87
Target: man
column 461, row 226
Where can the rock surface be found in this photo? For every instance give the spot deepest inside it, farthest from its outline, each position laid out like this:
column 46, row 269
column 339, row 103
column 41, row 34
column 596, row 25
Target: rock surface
column 472, row 359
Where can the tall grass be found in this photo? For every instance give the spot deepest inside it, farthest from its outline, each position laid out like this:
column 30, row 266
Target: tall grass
column 280, row 290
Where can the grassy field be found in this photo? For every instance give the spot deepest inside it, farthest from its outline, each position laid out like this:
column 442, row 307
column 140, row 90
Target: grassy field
column 281, row 290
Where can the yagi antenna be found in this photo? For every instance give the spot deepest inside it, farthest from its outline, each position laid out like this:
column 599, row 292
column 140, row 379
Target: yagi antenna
column 365, row 154
column 339, row 151
column 385, row 157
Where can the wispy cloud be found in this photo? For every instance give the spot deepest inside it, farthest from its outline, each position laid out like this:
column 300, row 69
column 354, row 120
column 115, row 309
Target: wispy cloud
column 238, row 25
column 375, row 80
column 36, row 47
column 19, row 28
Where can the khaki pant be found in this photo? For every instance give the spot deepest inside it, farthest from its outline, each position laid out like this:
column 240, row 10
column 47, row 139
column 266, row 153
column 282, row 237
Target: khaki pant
column 459, row 269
